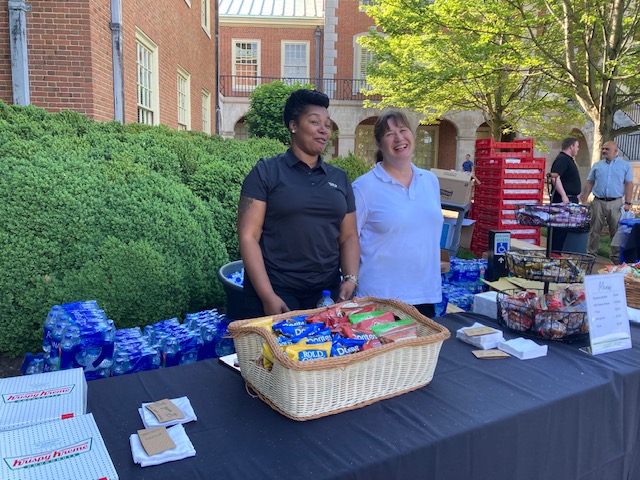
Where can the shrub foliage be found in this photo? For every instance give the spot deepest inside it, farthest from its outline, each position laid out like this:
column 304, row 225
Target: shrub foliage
column 138, row 218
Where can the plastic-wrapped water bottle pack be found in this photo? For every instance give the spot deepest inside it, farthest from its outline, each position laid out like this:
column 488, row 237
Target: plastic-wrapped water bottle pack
column 79, row 334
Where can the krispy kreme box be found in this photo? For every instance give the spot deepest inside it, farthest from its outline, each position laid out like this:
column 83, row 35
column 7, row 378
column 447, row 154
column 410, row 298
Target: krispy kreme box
column 62, row 449
column 42, row 397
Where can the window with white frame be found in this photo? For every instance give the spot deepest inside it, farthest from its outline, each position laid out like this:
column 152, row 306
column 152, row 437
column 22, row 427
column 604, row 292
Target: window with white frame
column 205, row 15
column 295, row 61
column 246, row 65
column 206, row 111
column 362, row 59
column 184, row 104
column 147, row 80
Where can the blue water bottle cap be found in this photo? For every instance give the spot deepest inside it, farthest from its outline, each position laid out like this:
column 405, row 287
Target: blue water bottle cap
column 326, row 293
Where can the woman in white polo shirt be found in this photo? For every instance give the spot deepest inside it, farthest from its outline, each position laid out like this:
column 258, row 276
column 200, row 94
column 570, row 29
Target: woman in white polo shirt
column 399, row 220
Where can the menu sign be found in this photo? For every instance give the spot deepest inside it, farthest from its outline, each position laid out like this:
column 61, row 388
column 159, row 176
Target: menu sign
column 607, row 312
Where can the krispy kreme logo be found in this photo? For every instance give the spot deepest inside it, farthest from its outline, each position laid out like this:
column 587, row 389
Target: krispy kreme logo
column 35, row 460
column 37, row 394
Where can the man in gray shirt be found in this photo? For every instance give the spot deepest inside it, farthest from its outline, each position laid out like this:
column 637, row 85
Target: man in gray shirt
column 611, row 181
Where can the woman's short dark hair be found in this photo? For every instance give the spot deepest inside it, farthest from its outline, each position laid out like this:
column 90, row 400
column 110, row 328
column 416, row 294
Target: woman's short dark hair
column 298, row 102
column 382, row 126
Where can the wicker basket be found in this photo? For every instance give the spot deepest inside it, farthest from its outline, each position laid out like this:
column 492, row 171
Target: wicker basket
column 545, row 324
column 560, row 268
column 317, row 388
column 554, row 215
column 632, row 287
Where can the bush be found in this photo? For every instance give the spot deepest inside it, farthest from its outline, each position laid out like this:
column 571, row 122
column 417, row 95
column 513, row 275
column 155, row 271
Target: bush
column 140, row 244
column 354, row 166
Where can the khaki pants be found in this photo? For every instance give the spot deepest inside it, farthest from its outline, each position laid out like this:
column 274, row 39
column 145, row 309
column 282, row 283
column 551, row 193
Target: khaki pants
column 604, row 212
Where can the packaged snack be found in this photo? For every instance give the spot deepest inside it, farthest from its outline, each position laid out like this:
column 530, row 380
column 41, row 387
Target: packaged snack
column 345, row 346
column 265, row 322
column 363, row 321
column 400, row 330
column 303, row 330
column 303, row 352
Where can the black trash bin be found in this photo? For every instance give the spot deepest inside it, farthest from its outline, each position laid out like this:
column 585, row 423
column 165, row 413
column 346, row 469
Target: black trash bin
column 233, row 290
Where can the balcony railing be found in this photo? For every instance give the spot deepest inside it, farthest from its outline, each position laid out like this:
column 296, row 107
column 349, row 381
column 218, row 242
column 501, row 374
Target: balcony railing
column 336, row 88
column 629, row 144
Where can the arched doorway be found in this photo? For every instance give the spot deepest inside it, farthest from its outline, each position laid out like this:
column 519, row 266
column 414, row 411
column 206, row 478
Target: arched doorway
column 365, row 144
column 240, row 130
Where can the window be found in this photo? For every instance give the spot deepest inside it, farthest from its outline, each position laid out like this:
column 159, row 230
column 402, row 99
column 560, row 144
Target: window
column 147, row 80
column 362, row 58
column 184, row 103
column 426, row 149
column 365, row 144
column 246, row 65
column 205, row 15
column 206, row 111
column 295, row 62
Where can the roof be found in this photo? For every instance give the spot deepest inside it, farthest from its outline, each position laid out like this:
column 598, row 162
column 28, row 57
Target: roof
column 274, row 9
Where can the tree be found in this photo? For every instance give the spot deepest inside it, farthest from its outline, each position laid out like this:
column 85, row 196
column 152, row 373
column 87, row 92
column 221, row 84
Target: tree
column 593, row 48
column 448, row 55
column 264, row 117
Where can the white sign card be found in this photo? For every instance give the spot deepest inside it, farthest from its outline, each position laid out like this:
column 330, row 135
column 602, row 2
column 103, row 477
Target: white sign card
column 607, row 311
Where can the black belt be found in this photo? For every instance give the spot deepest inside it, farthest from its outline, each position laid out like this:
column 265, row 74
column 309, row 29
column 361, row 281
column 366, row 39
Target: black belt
column 607, row 199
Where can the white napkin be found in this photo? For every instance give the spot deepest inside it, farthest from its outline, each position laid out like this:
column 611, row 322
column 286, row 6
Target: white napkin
column 183, row 403
column 184, row 448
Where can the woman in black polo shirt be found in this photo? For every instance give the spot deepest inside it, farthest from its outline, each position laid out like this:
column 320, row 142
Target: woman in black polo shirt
column 296, row 219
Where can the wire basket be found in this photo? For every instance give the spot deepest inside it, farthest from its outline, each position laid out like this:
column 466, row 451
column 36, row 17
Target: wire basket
column 527, row 314
column 316, row 388
column 564, row 215
column 559, row 268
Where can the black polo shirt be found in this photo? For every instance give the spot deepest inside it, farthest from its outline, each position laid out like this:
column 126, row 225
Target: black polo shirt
column 305, row 208
column 564, row 166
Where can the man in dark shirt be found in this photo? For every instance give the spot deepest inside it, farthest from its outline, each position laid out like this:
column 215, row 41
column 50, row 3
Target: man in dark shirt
column 566, row 185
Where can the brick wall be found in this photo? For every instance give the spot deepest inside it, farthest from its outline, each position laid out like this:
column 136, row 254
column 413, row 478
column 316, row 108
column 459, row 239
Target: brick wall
column 351, row 22
column 70, row 59
column 270, row 38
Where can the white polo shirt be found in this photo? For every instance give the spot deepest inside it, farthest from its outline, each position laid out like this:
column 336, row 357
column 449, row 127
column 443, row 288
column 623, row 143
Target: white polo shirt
column 400, row 231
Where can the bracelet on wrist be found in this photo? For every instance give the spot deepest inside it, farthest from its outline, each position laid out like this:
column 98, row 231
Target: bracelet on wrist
column 350, row 278
column 627, row 203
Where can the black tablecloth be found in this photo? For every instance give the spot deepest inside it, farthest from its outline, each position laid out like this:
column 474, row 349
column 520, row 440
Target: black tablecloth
column 565, row 416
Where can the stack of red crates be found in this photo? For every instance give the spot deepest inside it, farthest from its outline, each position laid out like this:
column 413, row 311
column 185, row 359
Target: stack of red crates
column 509, row 176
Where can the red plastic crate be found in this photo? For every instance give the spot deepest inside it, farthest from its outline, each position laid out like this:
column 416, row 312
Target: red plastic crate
column 483, row 202
column 511, row 183
column 490, row 153
column 491, row 143
column 503, row 163
column 499, row 193
column 483, row 173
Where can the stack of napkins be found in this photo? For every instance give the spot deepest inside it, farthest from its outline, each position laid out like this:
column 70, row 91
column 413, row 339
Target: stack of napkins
column 183, row 403
column 486, row 303
column 488, row 339
column 523, row 348
column 184, row 448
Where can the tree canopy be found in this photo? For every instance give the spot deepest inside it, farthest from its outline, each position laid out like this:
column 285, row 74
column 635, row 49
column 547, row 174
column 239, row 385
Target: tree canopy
column 537, row 66
column 452, row 55
column 593, row 48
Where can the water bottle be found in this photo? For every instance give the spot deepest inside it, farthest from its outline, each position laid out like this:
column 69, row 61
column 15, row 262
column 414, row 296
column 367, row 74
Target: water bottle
column 170, row 352
column 325, row 300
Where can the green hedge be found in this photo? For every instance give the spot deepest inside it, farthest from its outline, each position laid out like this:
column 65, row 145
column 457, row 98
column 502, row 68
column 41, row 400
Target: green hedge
column 138, row 218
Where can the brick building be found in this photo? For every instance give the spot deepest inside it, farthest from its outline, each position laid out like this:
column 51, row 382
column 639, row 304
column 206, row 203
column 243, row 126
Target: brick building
column 74, row 53
column 317, row 42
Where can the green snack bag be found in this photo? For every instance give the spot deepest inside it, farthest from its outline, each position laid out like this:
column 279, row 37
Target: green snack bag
column 385, row 327
column 359, row 317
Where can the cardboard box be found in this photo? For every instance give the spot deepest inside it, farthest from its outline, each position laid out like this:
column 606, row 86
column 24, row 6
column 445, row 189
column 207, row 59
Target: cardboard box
column 61, row 449
column 43, row 397
column 445, row 262
column 466, row 232
column 455, row 187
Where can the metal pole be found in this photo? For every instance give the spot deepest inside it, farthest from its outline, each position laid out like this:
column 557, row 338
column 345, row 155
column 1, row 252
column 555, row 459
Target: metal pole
column 117, row 60
column 19, row 56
